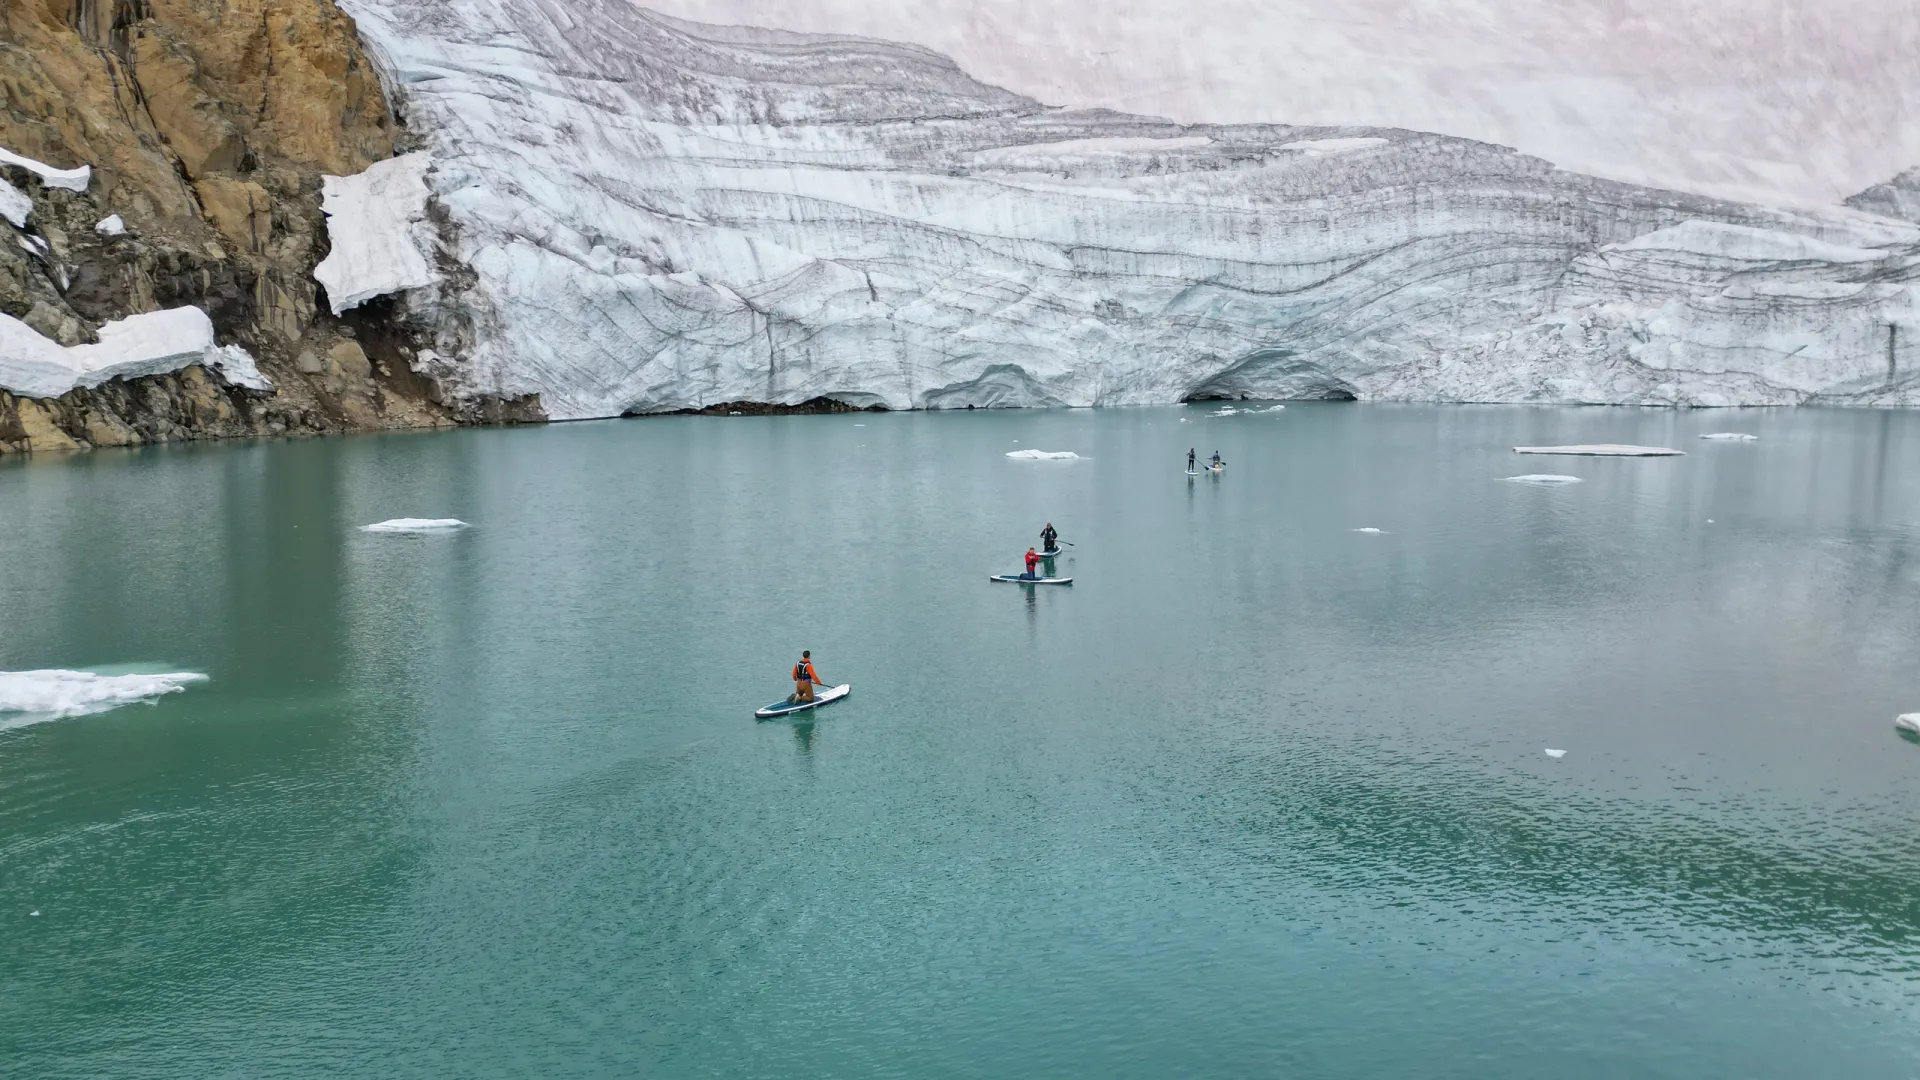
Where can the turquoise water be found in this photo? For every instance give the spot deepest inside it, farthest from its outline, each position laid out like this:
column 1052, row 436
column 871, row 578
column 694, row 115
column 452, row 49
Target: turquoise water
column 1258, row 795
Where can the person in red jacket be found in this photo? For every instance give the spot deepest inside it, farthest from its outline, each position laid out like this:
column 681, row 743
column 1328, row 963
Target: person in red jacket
column 803, row 678
column 1033, row 560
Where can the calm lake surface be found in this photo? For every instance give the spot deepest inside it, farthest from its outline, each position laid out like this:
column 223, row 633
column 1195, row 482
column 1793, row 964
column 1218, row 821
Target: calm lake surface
column 1259, row 795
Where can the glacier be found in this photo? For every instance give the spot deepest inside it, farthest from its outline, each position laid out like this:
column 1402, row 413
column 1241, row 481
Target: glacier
column 654, row 215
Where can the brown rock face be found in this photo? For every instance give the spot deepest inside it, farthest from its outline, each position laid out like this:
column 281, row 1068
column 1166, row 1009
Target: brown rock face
column 208, row 124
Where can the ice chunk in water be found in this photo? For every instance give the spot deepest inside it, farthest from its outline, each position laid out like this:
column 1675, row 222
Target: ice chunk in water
column 28, row 697
column 1544, row 479
column 1042, row 455
column 1730, row 436
column 1371, row 530
column 1556, row 754
column 1603, row 450
column 1908, row 722
column 414, row 525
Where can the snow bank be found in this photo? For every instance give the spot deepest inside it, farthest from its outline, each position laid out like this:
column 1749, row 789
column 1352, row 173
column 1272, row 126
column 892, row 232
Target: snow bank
column 28, row 697
column 1543, row 479
column 373, row 220
column 1730, row 436
column 1043, row 455
column 153, row 343
column 111, row 225
column 414, row 525
column 1602, row 450
column 70, row 179
column 14, row 204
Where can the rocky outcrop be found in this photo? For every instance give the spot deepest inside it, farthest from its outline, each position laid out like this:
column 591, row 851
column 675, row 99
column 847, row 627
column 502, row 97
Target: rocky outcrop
column 208, row 126
column 659, row 215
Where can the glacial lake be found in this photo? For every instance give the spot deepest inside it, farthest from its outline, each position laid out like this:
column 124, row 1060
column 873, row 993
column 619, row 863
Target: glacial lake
column 1258, row 795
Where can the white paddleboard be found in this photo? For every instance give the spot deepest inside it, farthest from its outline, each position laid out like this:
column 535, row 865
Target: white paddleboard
column 820, row 697
column 1016, row 579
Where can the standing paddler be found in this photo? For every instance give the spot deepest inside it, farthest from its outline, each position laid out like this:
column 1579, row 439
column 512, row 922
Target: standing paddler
column 1049, row 540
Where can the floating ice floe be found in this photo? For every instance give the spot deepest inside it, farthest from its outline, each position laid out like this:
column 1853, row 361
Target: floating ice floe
column 1730, row 436
column 1224, row 410
column 1380, row 532
column 14, row 204
column 1602, row 450
column 1556, row 754
column 414, row 525
column 1272, row 408
column 111, row 225
column 152, row 343
column 1543, row 479
column 70, row 179
column 29, row 697
column 1908, row 722
column 371, row 219
column 1043, row 455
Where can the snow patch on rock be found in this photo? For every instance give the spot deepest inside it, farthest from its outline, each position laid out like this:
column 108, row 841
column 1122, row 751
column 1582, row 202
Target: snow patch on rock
column 111, row 225
column 70, row 179
column 152, row 343
column 376, row 223
column 15, row 206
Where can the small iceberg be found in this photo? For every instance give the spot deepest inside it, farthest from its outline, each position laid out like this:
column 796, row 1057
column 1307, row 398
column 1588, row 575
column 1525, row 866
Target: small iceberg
column 1556, row 754
column 1730, row 436
column 1376, row 532
column 1272, row 408
column 29, row 697
column 1043, row 455
column 1543, row 479
column 414, row 525
column 1907, row 722
column 1225, row 410
column 1603, row 450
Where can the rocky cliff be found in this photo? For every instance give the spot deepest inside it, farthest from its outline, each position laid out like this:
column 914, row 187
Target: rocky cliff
column 208, row 125
column 662, row 215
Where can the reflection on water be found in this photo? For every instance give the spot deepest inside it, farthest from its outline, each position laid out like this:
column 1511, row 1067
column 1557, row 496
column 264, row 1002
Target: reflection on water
column 493, row 803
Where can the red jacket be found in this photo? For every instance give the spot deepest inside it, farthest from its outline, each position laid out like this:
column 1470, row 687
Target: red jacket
column 1032, row 560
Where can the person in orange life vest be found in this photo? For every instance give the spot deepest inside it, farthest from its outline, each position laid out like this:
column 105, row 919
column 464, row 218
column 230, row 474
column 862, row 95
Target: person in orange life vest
column 1033, row 560
column 803, row 678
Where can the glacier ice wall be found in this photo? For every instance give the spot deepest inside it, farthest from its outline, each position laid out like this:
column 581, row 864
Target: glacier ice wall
column 658, row 215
